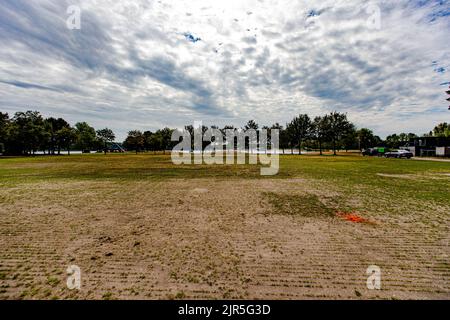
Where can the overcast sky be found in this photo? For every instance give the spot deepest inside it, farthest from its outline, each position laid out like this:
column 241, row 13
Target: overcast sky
column 149, row 64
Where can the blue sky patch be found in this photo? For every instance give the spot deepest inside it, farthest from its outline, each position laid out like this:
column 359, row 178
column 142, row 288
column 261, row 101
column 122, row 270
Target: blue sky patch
column 190, row 37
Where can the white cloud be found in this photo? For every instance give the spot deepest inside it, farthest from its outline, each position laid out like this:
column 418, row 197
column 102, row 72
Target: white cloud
column 131, row 66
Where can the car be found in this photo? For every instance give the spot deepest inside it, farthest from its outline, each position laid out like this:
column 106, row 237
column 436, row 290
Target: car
column 379, row 151
column 399, row 154
column 370, row 152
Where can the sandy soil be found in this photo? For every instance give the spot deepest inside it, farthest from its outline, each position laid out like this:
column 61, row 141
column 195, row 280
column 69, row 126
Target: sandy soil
column 210, row 238
column 432, row 159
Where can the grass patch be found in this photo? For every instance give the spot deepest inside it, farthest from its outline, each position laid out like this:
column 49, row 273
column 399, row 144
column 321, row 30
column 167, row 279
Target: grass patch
column 308, row 205
column 354, row 176
column 107, row 296
column 52, row 281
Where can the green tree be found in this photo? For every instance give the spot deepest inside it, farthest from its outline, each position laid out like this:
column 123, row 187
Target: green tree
column 251, row 125
column 442, row 130
column 28, row 132
column 412, row 136
column 284, row 138
column 86, row 136
column 300, row 129
column 393, row 141
column 105, row 135
column 166, row 138
column 280, row 129
column 337, row 127
column 155, row 142
column 147, row 137
column 366, row 139
column 231, row 128
column 4, row 127
column 403, row 138
column 397, row 140
column 52, row 126
column 66, row 136
column 350, row 139
column 134, row 141
column 319, row 131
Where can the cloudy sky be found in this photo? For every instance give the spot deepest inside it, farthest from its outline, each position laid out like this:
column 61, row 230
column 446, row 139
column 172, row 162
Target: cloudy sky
column 147, row 64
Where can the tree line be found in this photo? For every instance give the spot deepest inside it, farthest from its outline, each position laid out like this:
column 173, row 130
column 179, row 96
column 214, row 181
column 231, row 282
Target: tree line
column 28, row 132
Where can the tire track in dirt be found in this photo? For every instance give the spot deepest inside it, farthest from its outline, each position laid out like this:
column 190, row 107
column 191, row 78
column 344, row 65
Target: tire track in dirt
column 210, row 239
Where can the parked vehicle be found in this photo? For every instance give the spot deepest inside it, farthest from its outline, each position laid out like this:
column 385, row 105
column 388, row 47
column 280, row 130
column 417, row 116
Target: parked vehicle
column 399, row 154
column 370, row 152
column 374, row 152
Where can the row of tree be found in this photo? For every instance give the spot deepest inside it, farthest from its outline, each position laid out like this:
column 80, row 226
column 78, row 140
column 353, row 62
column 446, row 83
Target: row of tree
column 149, row 141
column 441, row 130
column 333, row 131
column 29, row 132
column 397, row 140
column 329, row 132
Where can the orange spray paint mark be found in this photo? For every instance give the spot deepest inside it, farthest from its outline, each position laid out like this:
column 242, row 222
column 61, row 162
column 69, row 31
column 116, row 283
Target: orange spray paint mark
column 352, row 217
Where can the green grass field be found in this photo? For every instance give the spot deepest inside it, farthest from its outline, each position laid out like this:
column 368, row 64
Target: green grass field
column 139, row 226
column 352, row 174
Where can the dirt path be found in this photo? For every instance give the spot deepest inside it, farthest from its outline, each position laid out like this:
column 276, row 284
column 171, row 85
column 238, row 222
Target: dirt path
column 210, row 239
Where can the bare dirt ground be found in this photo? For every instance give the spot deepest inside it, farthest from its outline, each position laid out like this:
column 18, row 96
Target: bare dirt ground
column 207, row 238
column 432, row 159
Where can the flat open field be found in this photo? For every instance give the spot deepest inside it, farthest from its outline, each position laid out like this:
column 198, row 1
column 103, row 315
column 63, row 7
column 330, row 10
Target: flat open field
column 140, row 227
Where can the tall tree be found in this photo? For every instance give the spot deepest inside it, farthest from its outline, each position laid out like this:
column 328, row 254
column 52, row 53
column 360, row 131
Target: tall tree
column 86, row 136
column 66, row 137
column 283, row 136
column 251, row 125
column 319, row 129
column 396, row 140
column 224, row 130
column 366, row 139
column 350, row 139
column 4, row 124
column 134, row 141
column 28, row 132
column 411, row 136
column 190, row 129
column 105, row 135
column 52, row 126
column 147, row 137
column 166, row 138
column 393, row 141
column 155, row 142
column 280, row 129
column 403, row 138
column 337, row 127
column 300, row 129
column 442, row 130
